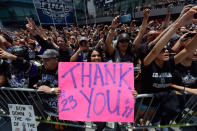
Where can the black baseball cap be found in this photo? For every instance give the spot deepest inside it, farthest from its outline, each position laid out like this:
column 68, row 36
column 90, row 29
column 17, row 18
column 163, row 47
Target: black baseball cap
column 123, row 36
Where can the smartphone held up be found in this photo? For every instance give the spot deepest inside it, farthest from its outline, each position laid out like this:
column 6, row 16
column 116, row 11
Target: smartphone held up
column 124, row 18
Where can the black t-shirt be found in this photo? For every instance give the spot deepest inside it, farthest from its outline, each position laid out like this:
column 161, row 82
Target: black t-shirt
column 156, row 79
column 3, row 67
column 143, row 50
column 49, row 78
column 186, row 76
column 117, row 56
column 64, row 56
column 19, row 73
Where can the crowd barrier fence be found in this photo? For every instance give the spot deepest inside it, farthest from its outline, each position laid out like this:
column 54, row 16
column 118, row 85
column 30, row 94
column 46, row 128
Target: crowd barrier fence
column 142, row 120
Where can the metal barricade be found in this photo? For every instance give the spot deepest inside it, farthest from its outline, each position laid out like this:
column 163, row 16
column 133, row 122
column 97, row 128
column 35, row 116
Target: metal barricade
column 26, row 96
column 144, row 113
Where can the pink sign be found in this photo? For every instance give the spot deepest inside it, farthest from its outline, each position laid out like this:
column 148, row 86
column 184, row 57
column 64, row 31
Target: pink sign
column 96, row 91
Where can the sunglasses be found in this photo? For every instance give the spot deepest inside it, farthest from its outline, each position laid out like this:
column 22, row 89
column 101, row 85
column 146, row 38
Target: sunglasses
column 163, row 50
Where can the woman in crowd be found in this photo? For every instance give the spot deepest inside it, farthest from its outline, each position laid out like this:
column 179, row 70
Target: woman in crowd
column 186, row 70
column 61, row 45
column 185, row 74
column 95, row 55
column 158, row 67
column 123, row 50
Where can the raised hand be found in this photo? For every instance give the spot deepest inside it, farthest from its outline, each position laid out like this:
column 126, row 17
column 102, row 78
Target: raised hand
column 4, row 54
column 115, row 23
column 185, row 9
column 31, row 26
column 188, row 17
column 146, row 12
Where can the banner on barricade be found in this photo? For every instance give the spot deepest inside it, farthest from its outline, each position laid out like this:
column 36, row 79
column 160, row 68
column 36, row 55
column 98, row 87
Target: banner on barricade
column 22, row 117
column 96, row 91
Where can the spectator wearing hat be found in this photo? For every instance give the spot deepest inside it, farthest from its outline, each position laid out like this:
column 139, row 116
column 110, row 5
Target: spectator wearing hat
column 48, row 81
column 121, row 52
column 81, row 54
column 48, row 86
column 158, row 68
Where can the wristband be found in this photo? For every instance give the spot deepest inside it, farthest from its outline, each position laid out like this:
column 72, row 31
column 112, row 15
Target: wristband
column 53, row 90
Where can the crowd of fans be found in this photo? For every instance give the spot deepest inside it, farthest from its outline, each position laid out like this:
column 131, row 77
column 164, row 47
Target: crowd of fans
column 166, row 52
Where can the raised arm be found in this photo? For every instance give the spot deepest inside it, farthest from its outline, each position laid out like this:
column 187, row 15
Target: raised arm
column 185, row 9
column 31, row 27
column 184, row 20
column 165, row 24
column 109, row 48
column 193, row 91
column 160, row 44
column 178, row 44
column 75, row 56
column 21, row 61
column 142, row 30
column 189, row 49
column 35, row 32
column 54, row 31
column 4, row 54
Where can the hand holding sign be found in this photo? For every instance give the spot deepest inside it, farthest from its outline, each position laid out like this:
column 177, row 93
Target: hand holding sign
column 96, row 92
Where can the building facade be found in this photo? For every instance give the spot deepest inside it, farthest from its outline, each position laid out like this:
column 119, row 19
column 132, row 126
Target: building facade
column 13, row 12
column 84, row 11
column 99, row 11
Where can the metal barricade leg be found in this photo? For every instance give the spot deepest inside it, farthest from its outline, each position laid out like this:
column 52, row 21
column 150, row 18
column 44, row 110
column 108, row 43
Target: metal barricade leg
column 89, row 126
